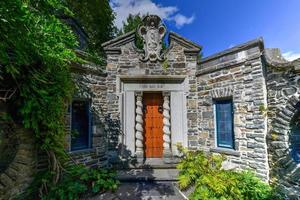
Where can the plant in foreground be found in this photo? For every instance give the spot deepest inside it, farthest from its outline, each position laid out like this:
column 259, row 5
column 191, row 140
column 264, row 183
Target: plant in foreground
column 77, row 180
column 204, row 172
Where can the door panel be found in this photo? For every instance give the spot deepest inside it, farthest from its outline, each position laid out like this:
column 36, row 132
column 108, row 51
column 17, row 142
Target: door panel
column 153, row 125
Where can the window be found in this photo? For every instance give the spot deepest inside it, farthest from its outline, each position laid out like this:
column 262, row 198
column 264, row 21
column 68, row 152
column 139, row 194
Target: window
column 80, row 125
column 294, row 136
column 295, row 143
column 224, row 123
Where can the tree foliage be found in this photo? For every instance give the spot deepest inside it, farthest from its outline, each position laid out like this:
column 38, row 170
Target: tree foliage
column 132, row 23
column 78, row 181
column 35, row 54
column 36, row 51
column 97, row 19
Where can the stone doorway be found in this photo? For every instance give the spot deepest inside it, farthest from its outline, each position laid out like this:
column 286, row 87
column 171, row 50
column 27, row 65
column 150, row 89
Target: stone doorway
column 132, row 94
column 153, row 125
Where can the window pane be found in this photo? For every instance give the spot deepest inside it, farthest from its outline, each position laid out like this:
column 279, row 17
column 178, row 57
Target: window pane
column 80, row 125
column 295, row 142
column 224, row 123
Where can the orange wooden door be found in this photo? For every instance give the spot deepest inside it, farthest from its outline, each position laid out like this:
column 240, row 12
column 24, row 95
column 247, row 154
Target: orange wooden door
column 153, row 125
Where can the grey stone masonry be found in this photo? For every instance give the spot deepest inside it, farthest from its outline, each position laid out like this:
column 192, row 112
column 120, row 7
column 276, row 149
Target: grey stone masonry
column 90, row 82
column 123, row 59
column 236, row 74
column 19, row 174
column 283, row 82
column 262, row 85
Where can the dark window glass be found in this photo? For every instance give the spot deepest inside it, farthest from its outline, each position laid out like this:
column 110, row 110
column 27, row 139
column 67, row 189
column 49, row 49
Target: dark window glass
column 224, row 123
column 81, row 124
column 295, row 142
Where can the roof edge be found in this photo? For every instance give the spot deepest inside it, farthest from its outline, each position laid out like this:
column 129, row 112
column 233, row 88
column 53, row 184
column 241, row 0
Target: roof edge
column 256, row 42
column 274, row 58
column 187, row 43
column 127, row 37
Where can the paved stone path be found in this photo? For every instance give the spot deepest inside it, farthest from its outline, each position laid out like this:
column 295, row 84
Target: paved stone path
column 155, row 190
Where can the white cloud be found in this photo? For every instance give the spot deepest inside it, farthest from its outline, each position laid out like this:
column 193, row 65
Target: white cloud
column 290, row 55
column 123, row 8
column 181, row 20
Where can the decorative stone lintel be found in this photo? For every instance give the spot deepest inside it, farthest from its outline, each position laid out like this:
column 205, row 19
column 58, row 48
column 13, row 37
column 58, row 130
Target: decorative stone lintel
column 139, row 130
column 221, row 92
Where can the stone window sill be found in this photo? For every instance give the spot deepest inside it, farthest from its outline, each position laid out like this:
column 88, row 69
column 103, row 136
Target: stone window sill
column 225, row 151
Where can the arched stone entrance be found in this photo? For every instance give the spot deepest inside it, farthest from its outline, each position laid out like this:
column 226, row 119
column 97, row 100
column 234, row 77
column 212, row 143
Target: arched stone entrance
column 285, row 169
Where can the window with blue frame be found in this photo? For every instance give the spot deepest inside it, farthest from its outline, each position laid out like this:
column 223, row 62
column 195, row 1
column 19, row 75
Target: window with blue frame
column 80, row 125
column 295, row 139
column 224, row 123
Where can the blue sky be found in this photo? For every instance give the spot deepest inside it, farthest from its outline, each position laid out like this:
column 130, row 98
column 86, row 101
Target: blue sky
column 221, row 24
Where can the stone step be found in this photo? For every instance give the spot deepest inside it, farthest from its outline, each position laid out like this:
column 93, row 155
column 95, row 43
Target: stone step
column 153, row 163
column 149, row 174
column 143, row 190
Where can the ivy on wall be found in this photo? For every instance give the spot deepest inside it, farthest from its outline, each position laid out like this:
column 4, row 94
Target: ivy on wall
column 36, row 50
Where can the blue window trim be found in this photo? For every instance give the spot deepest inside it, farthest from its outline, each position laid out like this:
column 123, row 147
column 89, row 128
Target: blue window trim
column 89, row 121
column 219, row 101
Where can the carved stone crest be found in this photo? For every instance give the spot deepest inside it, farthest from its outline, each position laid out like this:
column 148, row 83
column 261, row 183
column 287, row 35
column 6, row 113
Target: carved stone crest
column 152, row 31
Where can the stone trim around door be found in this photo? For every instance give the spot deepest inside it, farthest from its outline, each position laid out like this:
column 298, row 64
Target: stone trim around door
column 130, row 91
column 166, row 125
column 139, row 130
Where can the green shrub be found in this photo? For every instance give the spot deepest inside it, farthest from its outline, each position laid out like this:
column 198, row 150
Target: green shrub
column 76, row 181
column 205, row 173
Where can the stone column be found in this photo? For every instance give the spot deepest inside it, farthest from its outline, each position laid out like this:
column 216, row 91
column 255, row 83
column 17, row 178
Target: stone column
column 166, row 128
column 139, row 122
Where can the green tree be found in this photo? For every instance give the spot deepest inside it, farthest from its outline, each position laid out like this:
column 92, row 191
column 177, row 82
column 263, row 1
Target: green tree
column 97, row 19
column 132, row 23
column 36, row 51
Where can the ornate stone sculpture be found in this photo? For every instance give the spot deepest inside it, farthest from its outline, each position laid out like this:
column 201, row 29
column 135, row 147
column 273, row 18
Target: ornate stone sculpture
column 152, row 31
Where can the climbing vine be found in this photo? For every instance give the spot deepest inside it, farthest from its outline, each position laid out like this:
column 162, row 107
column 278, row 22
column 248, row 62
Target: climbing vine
column 36, row 51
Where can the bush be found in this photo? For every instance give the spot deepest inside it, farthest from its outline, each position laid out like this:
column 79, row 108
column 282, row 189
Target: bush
column 75, row 182
column 205, row 173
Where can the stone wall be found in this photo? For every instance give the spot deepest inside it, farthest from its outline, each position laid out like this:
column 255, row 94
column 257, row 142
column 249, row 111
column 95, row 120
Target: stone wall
column 283, row 82
column 19, row 173
column 237, row 73
column 90, row 81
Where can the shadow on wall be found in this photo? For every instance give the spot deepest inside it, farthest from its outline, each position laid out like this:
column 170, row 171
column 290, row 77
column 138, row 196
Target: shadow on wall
column 8, row 140
column 135, row 178
column 117, row 154
column 19, row 166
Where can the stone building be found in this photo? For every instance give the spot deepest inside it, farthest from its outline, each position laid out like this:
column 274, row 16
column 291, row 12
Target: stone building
column 242, row 102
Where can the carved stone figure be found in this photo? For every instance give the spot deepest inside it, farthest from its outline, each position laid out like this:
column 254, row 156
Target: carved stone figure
column 152, row 31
